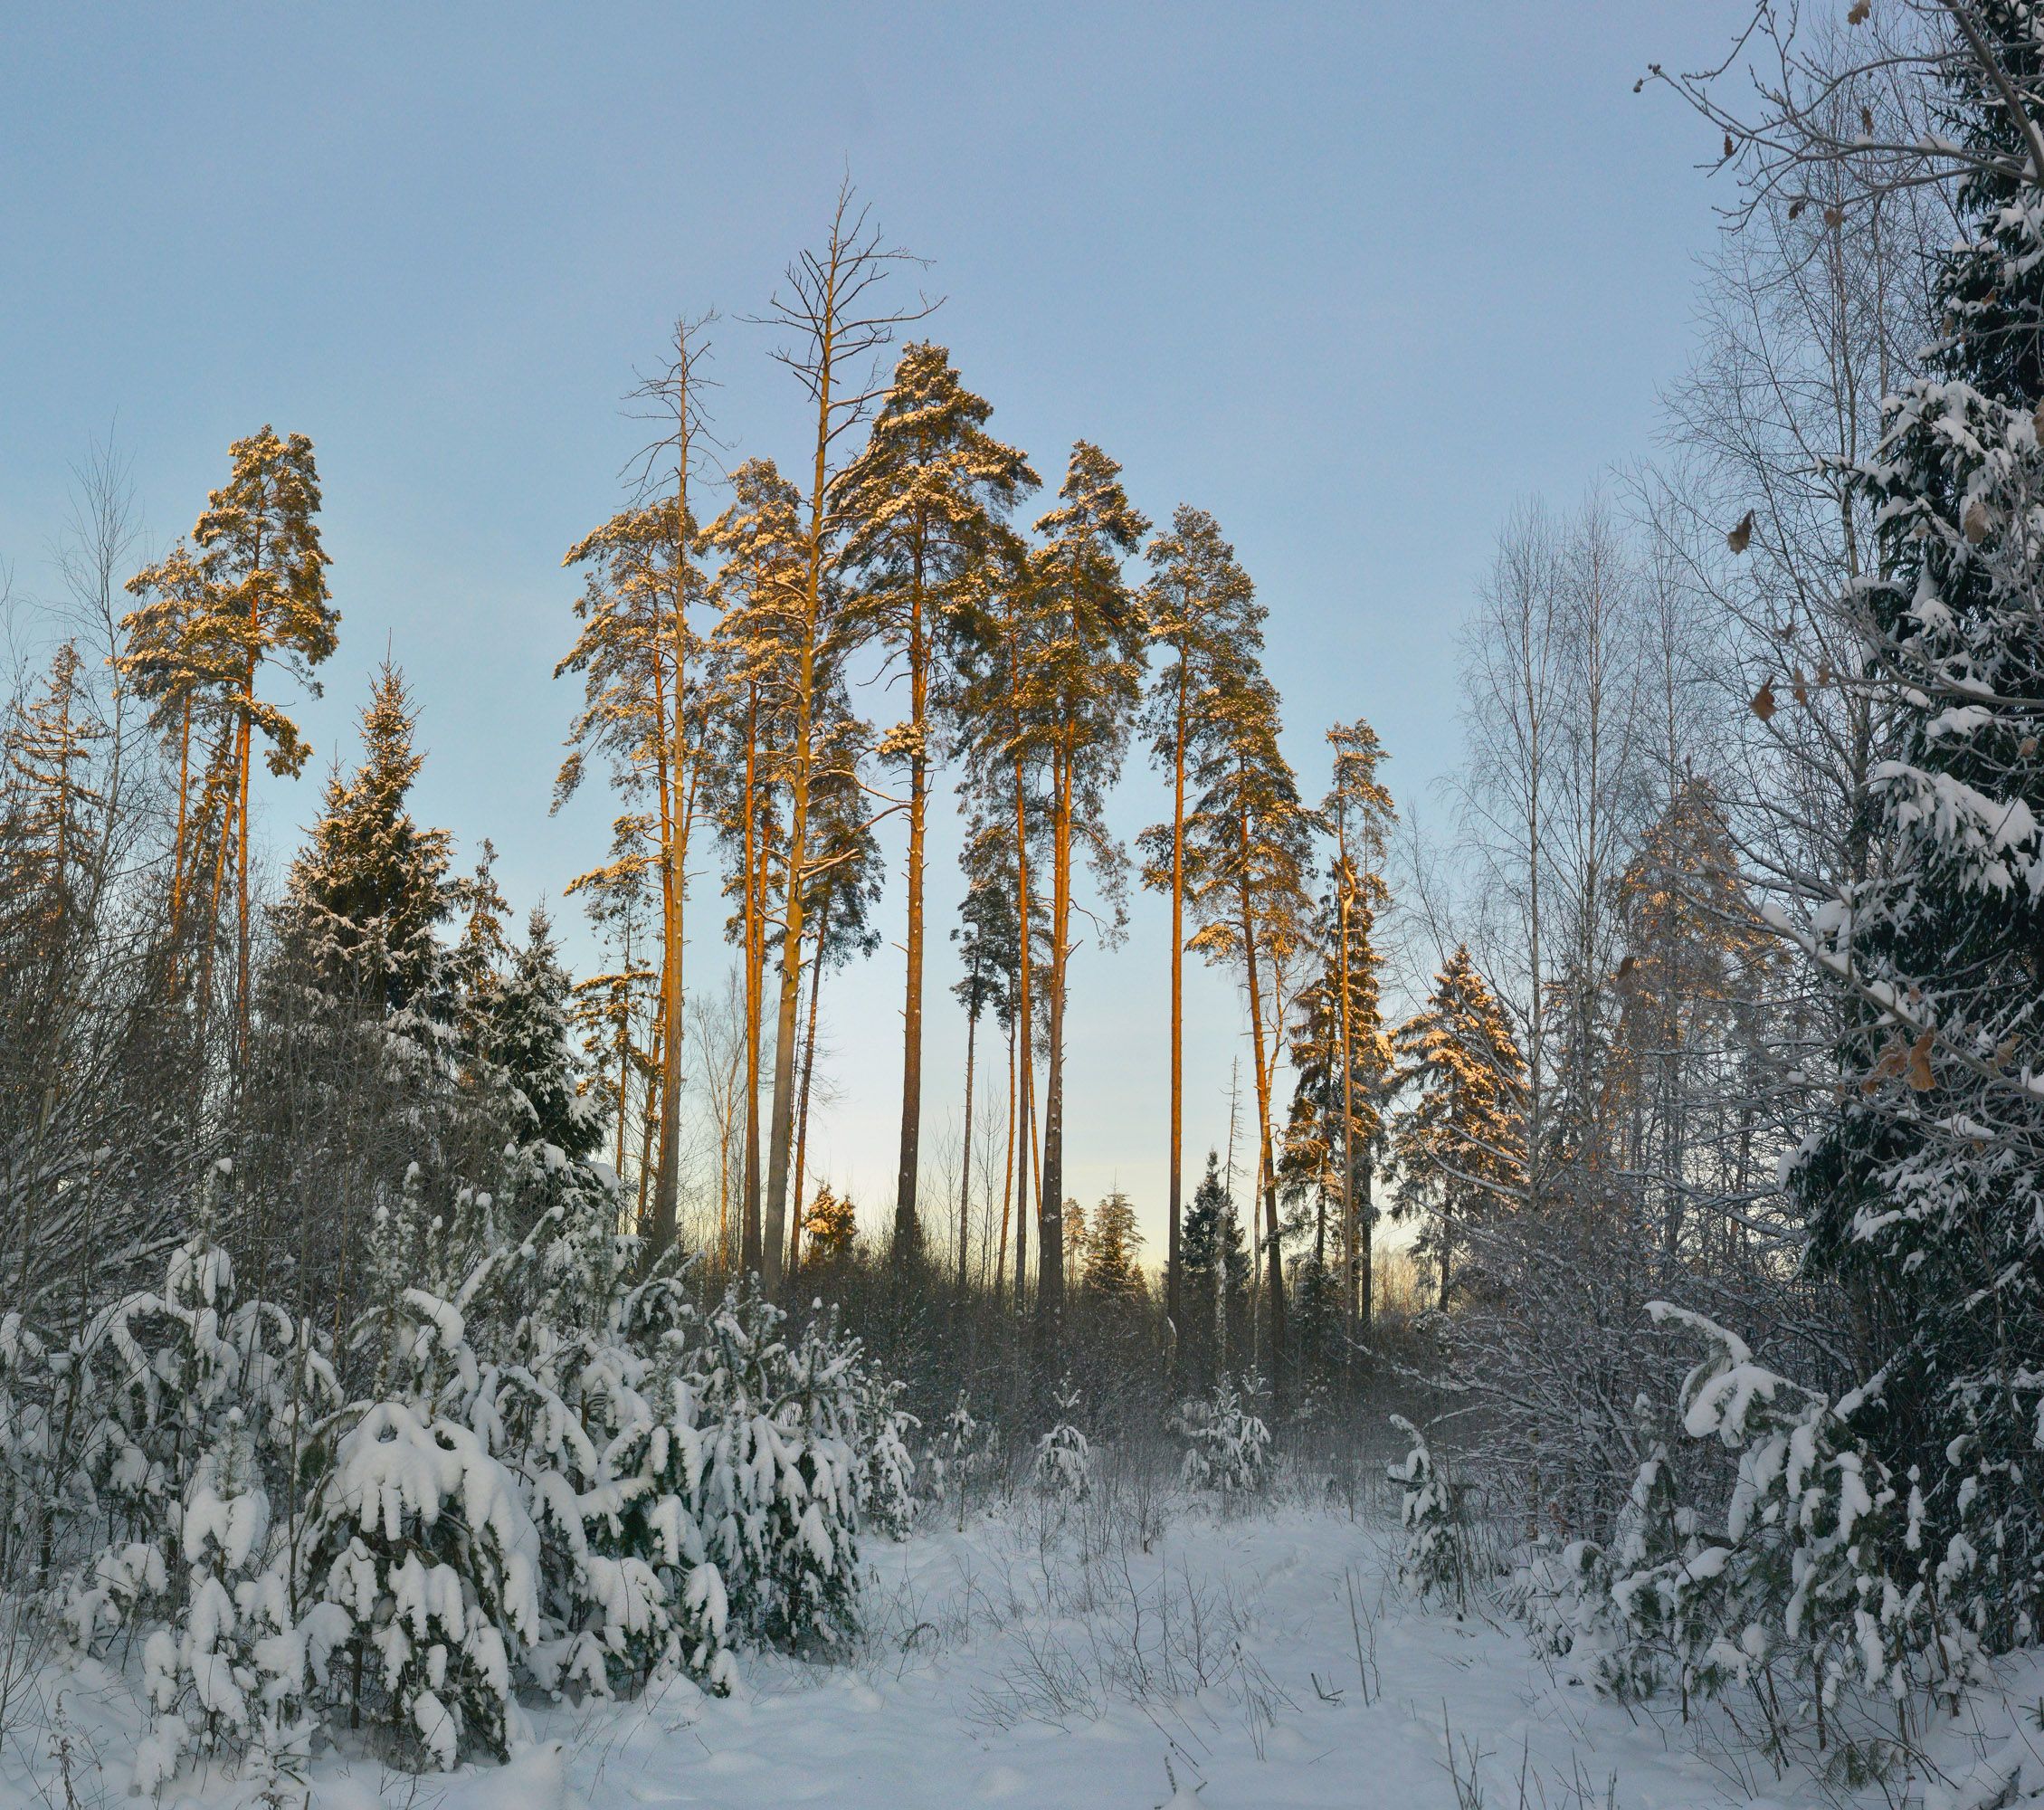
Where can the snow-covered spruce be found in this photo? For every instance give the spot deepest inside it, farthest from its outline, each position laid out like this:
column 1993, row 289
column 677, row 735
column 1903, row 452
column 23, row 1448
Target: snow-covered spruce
column 1227, row 1444
column 1063, row 1469
column 1431, row 1510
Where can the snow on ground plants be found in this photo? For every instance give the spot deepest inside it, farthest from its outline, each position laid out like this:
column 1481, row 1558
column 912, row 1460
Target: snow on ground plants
column 1140, row 1647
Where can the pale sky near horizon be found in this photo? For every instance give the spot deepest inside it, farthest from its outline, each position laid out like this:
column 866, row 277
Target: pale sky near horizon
column 1356, row 280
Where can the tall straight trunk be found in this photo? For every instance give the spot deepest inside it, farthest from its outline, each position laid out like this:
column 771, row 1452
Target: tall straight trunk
column 756, row 966
column 907, row 1232
column 623, row 1070
column 773, row 1229
column 1050, row 1213
column 675, row 813
column 648, row 1115
column 1267, row 1169
column 668, row 1145
column 808, row 1068
column 1349, row 1228
column 242, row 753
column 966, row 1159
column 1026, row 1033
column 179, row 878
column 1174, row 1183
column 1007, row 1175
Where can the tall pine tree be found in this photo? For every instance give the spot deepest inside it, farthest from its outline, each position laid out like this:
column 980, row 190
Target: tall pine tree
column 929, row 499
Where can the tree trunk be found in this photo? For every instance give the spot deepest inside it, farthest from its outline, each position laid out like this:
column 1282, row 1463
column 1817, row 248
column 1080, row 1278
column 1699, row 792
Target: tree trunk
column 1026, row 1032
column 1267, row 1173
column 907, row 1231
column 808, row 1067
column 1050, row 1213
column 1007, row 1176
column 1174, row 1183
column 756, row 988
column 1346, row 882
column 966, row 1158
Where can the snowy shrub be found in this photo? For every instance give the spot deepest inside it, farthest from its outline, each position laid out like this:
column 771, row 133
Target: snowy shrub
column 1796, row 1575
column 1568, row 1599
column 1431, row 1510
column 1064, row 1455
column 887, row 1469
column 1227, row 1446
column 966, row 1451
column 778, row 1501
column 232, row 1668
column 419, row 1537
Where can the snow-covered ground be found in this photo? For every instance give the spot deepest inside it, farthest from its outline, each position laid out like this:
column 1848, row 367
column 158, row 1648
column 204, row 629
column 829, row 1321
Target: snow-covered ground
column 1270, row 1660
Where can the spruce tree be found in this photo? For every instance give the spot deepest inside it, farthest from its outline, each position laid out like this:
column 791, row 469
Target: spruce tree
column 1112, row 1241
column 929, row 497
column 1217, row 1279
column 1926, row 1191
column 527, row 1040
column 1458, row 1143
column 365, row 895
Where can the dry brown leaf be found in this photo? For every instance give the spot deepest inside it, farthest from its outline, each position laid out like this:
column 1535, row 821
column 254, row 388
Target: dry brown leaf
column 1796, row 207
column 2037, row 421
column 1893, row 1059
column 2027, row 747
column 1867, row 121
column 1920, row 1075
column 1729, row 146
column 1976, row 522
column 2005, row 1051
column 1857, row 13
column 1762, row 704
column 1801, row 690
column 1834, row 216
column 1823, row 673
column 1741, row 537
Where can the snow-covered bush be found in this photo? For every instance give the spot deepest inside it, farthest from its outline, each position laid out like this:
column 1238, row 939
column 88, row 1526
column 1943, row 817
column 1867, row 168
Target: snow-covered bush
column 1431, row 1510
column 419, row 1533
column 1063, row 1470
column 551, row 1471
column 1227, row 1444
column 965, row 1450
column 1794, row 1581
column 887, row 1469
column 779, row 1500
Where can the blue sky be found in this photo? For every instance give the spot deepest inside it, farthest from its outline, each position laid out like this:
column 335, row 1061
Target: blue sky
column 1354, row 279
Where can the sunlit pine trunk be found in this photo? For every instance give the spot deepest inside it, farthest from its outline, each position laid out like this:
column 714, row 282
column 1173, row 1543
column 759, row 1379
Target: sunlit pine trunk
column 1175, row 1183
column 1050, row 1211
column 756, row 968
column 907, row 1228
column 1267, row 1176
column 966, row 1158
column 808, row 1073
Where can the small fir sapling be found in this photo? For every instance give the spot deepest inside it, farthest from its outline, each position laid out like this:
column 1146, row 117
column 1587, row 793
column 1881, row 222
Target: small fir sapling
column 1064, row 1455
column 1227, row 1446
column 1431, row 1510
